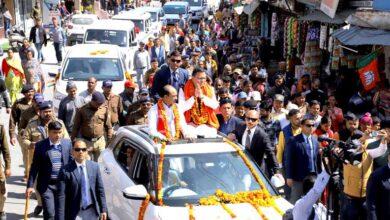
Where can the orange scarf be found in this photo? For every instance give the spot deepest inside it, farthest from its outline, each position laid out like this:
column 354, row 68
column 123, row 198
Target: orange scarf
column 200, row 113
column 162, row 120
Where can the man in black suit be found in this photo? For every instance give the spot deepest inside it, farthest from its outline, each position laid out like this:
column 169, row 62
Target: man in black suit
column 50, row 155
column 256, row 141
column 81, row 191
column 171, row 74
column 301, row 158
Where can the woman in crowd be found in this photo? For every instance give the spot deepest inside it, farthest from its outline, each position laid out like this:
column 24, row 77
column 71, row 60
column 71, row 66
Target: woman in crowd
column 13, row 75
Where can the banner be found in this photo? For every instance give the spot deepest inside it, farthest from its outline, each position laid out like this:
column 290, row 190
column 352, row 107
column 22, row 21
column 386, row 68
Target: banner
column 329, row 7
column 368, row 70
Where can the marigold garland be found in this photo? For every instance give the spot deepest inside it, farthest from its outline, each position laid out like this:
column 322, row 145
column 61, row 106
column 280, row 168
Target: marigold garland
column 142, row 209
column 199, row 114
column 228, row 210
column 256, row 198
column 191, row 214
column 247, row 163
column 161, row 111
column 160, row 174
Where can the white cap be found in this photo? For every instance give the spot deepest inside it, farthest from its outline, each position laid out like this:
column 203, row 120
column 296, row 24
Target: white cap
column 255, row 95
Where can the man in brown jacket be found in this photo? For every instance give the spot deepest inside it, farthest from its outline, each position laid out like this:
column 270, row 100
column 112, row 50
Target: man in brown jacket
column 92, row 123
column 114, row 103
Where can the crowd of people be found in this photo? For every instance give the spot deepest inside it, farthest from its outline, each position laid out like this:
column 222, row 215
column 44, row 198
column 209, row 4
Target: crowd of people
column 190, row 77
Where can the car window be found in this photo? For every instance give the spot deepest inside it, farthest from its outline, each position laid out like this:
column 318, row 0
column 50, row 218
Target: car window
column 187, row 178
column 125, row 154
column 114, row 37
column 174, row 9
column 101, row 68
column 133, row 161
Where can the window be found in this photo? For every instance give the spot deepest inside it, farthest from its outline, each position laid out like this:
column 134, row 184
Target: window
column 133, row 161
column 101, row 68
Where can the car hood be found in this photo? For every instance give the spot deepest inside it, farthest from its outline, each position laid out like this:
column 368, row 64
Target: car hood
column 241, row 211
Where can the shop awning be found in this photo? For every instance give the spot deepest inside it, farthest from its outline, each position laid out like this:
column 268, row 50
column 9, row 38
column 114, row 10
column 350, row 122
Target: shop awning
column 355, row 35
column 320, row 16
column 251, row 6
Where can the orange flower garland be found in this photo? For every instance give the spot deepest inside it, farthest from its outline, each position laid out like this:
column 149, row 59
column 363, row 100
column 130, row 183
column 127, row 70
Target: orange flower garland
column 199, row 114
column 256, row 198
column 160, row 173
column 161, row 111
column 142, row 209
column 191, row 211
column 247, row 163
column 228, row 210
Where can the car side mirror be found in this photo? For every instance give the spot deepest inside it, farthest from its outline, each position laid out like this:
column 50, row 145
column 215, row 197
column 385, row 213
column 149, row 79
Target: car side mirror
column 136, row 192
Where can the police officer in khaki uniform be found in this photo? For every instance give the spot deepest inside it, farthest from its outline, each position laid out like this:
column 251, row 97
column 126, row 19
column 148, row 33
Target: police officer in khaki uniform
column 17, row 110
column 36, row 130
column 114, row 103
column 140, row 117
column 32, row 112
column 143, row 93
column 92, row 122
column 4, row 173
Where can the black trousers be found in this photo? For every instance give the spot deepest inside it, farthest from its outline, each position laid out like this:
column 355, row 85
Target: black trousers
column 50, row 202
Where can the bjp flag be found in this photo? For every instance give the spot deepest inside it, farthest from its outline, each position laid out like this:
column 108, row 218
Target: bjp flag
column 368, row 70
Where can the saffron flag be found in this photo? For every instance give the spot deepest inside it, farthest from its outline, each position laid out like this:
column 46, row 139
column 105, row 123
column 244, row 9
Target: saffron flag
column 368, row 70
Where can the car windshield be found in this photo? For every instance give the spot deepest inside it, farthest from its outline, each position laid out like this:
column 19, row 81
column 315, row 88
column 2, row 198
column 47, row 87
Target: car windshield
column 79, row 69
column 174, row 9
column 187, row 178
column 114, row 37
column 194, row 2
column 82, row 21
column 153, row 16
column 140, row 24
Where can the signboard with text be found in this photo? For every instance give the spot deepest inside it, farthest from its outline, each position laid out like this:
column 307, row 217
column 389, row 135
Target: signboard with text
column 329, row 7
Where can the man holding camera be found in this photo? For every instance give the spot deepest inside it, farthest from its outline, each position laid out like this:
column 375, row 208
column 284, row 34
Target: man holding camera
column 356, row 175
column 378, row 193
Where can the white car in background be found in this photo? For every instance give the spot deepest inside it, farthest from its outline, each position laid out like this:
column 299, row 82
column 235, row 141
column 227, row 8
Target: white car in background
column 173, row 10
column 192, row 170
column 75, row 30
column 141, row 20
column 102, row 61
column 120, row 33
column 157, row 18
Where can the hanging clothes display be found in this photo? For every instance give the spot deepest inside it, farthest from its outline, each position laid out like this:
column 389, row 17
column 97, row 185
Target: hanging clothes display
column 274, row 29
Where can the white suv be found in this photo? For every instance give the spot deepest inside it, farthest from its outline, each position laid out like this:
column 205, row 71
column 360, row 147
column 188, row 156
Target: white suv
column 191, row 170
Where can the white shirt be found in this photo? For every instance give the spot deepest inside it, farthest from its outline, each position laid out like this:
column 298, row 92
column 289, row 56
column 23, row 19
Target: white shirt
column 141, row 60
column 86, row 177
column 246, row 134
column 86, row 95
column 153, row 118
column 303, row 207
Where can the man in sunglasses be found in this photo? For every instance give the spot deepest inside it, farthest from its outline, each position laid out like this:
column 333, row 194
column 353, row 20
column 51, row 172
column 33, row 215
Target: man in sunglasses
column 81, row 190
column 255, row 140
column 171, row 74
column 50, row 156
column 301, row 158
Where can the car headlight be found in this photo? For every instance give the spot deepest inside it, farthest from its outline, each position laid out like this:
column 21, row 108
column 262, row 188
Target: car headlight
column 58, row 95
